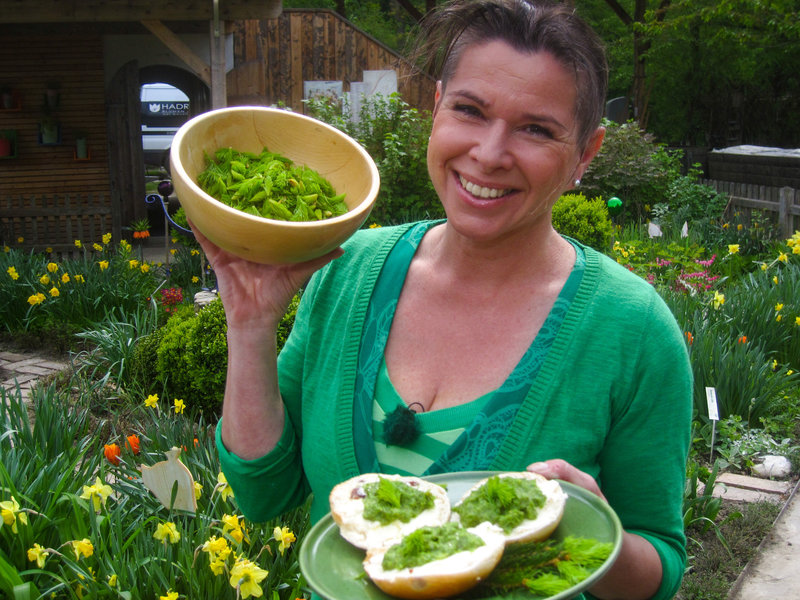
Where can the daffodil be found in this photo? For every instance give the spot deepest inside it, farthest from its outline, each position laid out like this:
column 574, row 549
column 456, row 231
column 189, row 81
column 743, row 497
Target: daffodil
column 245, row 576
column 103, row 265
column 112, row 580
column 125, row 246
column 52, row 267
column 38, row 555
column 65, row 278
column 778, row 307
column 97, row 247
column 733, row 248
column 36, row 299
column 217, row 548
column 145, row 268
column 167, row 532
column 797, row 321
column 151, row 401
column 198, row 490
column 223, row 487
column 106, row 238
column 12, row 272
column 80, row 278
column 170, row 596
column 133, row 263
column 719, row 300
column 180, row 406
column 44, row 279
column 231, row 526
column 97, row 493
column 12, row 514
column 78, row 244
column 54, row 292
column 782, row 257
column 82, row 547
column 285, row 536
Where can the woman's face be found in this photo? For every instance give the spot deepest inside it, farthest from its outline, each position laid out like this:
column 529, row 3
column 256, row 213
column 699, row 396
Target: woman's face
column 503, row 146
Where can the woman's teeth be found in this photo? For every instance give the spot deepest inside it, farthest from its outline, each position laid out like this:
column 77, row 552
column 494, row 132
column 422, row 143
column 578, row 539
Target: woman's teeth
column 480, row 191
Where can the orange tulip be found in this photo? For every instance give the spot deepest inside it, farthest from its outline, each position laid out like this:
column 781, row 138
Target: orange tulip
column 112, row 452
column 132, row 442
column 689, row 337
column 743, row 339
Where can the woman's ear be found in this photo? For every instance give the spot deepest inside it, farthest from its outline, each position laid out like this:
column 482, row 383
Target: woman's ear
column 591, row 149
column 437, row 97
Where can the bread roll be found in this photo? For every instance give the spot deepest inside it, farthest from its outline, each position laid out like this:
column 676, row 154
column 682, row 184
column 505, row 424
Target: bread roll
column 530, row 529
column 347, row 509
column 439, row 578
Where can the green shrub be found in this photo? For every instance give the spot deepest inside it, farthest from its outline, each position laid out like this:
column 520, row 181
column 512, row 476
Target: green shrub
column 584, row 220
column 396, row 136
column 144, row 365
column 193, row 357
column 631, row 166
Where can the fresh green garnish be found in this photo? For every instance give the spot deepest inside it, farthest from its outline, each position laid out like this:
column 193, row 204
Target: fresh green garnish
column 504, row 501
column 427, row 544
column 269, row 185
column 544, row 568
column 390, row 500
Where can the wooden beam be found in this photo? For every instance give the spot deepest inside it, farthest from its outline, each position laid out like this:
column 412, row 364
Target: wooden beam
column 180, row 49
column 219, row 85
column 91, row 11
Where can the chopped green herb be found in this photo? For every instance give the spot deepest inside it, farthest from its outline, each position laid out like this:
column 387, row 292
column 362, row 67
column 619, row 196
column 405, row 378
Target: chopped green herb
column 504, row 501
column 269, row 185
column 427, row 544
column 390, row 500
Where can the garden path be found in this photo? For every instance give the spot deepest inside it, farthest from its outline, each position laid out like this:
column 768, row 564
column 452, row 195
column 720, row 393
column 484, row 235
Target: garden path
column 773, row 574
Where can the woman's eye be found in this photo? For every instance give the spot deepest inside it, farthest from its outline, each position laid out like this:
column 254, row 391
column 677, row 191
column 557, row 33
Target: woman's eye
column 538, row 130
column 467, row 109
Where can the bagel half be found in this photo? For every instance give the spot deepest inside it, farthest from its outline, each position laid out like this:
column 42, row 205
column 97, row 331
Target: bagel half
column 347, row 509
column 533, row 528
column 439, row 578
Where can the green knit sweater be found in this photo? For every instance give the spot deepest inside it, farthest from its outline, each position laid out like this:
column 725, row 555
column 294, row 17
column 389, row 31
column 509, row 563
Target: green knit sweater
column 613, row 397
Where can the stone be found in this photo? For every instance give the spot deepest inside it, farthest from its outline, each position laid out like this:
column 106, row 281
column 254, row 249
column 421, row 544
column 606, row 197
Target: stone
column 773, row 466
column 204, row 298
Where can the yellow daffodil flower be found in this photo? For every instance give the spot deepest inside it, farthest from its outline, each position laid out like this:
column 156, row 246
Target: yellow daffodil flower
column 20, row 240
column 218, row 550
column 78, row 244
column 195, row 252
column 231, row 526
column 103, row 265
column 126, row 247
column 739, row 227
column 12, row 514
column 782, row 257
column 112, row 580
column 36, row 299
column 97, row 493
column 167, row 532
column 133, row 263
column 54, row 292
column 195, row 279
column 778, row 307
column 170, row 596
column 44, row 279
column 719, row 300
column 97, row 247
column 106, row 238
column 151, row 401
column 65, row 278
column 145, row 268
column 80, row 278
column 797, row 321
column 775, row 280
column 779, row 318
column 225, row 490
column 764, row 266
column 198, row 490
column 245, row 576
column 82, row 547
column 285, row 536
column 12, row 272
column 180, row 406
column 733, row 248
column 38, row 555
column 52, row 267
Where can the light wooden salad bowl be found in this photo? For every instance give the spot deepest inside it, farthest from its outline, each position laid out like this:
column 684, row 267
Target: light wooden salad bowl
column 330, row 152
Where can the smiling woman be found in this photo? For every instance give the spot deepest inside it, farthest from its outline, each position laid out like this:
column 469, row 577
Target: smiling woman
column 508, row 345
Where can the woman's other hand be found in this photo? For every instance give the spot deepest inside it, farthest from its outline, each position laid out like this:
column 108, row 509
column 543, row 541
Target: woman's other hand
column 561, row 469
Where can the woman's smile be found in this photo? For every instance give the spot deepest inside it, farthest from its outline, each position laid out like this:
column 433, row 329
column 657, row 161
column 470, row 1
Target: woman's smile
column 482, row 191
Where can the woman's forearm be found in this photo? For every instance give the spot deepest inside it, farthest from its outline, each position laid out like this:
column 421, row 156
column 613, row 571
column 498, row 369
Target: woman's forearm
column 635, row 575
column 252, row 410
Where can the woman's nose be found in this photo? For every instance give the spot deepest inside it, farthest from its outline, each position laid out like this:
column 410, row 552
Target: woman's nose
column 491, row 148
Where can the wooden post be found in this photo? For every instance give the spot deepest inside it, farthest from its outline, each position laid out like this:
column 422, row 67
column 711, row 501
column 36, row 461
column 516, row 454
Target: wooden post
column 785, row 217
column 219, row 89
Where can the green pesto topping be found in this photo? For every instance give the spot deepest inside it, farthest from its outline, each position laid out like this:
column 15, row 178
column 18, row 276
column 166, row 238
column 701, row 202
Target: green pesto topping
column 504, row 501
column 428, row 544
column 390, row 500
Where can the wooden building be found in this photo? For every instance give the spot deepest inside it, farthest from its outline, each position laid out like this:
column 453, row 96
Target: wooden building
column 79, row 65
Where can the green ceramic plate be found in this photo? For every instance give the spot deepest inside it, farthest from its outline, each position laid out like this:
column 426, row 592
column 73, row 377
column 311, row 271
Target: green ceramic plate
column 332, row 567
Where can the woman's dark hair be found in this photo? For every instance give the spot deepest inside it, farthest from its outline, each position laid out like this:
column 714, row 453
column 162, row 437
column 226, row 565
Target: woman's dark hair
column 528, row 26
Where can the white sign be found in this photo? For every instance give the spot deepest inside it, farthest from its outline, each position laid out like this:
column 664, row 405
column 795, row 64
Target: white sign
column 711, row 400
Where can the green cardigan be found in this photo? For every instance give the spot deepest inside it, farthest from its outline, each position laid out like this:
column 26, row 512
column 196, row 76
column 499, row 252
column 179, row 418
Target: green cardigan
column 613, row 397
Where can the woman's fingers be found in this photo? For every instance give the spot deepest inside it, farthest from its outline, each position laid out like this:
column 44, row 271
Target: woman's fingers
column 560, row 469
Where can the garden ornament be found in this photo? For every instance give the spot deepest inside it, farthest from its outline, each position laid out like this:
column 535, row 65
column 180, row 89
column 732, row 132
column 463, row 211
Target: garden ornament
column 163, row 476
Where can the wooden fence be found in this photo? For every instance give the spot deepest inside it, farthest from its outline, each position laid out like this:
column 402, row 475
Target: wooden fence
column 780, row 204
column 55, row 222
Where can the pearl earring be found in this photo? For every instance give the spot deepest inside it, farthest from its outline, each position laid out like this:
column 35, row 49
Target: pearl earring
column 577, row 182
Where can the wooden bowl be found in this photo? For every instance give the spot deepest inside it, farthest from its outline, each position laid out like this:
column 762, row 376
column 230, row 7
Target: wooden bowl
column 330, row 152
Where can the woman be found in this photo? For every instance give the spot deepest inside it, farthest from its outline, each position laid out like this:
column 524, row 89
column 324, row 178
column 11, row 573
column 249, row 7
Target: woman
column 515, row 347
